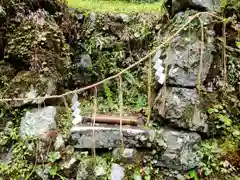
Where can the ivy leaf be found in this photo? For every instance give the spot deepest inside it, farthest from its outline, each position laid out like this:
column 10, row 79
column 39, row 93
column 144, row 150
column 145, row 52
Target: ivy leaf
column 212, row 110
column 137, row 176
column 53, row 171
column 147, row 171
column 225, row 119
column 193, row 174
column 148, row 177
column 224, row 3
column 54, row 156
column 238, row 44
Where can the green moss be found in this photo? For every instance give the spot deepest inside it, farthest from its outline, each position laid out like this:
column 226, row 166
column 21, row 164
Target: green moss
column 188, row 113
column 64, row 120
column 117, row 6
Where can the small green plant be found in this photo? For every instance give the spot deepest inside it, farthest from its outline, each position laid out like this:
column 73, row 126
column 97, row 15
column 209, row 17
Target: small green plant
column 211, row 154
column 147, row 173
column 54, row 168
column 193, row 174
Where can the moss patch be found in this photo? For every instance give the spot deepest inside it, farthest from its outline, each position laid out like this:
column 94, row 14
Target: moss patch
column 117, row 6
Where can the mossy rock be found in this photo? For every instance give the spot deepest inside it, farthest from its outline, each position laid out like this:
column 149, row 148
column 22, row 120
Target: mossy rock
column 28, row 84
column 37, row 43
column 92, row 168
column 7, row 72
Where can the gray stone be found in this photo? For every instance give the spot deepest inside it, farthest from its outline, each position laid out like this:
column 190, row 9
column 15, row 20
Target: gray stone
column 83, row 171
column 100, row 169
column 127, row 155
column 86, row 61
column 168, row 174
column 181, row 153
column 184, row 62
column 59, row 142
column 181, row 108
column 124, row 17
column 117, row 172
column 43, row 171
column 210, row 5
column 69, row 163
column 91, row 168
column 37, row 122
column 174, row 149
column 6, row 157
column 2, row 12
column 27, row 84
column 110, row 136
column 92, row 17
column 183, row 58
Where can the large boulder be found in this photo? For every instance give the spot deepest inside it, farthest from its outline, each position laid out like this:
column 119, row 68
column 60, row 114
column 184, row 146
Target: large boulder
column 179, row 5
column 38, row 122
column 28, row 84
column 182, row 150
column 183, row 57
column 181, row 107
column 110, row 137
column 37, row 42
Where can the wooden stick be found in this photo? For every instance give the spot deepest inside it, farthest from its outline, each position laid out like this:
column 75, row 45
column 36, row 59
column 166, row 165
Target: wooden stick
column 113, row 120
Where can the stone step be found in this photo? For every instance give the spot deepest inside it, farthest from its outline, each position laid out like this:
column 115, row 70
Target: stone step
column 109, row 136
column 172, row 148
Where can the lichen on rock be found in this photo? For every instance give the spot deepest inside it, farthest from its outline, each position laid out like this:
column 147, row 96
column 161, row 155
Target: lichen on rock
column 181, row 108
column 29, row 84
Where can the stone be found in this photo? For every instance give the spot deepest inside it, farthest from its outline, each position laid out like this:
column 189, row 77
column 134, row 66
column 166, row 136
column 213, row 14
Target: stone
column 68, row 164
column 184, row 67
column 182, row 150
column 181, row 108
column 208, row 4
column 179, row 5
column 37, row 122
column 91, row 168
column 6, row 157
column 183, row 59
column 42, row 172
column 27, row 84
column 110, row 136
column 127, row 155
column 59, row 142
column 92, row 17
column 100, row 169
column 86, row 61
column 80, row 69
column 124, row 17
column 2, row 12
column 168, row 174
column 7, row 72
column 173, row 149
column 117, row 172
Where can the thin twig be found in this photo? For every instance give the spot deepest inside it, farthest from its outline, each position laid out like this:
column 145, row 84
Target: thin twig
column 65, row 102
column 114, row 76
column 222, row 19
column 164, row 94
column 121, row 108
column 224, row 52
column 94, row 120
column 201, row 56
column 149, row 89
column 35, row 162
